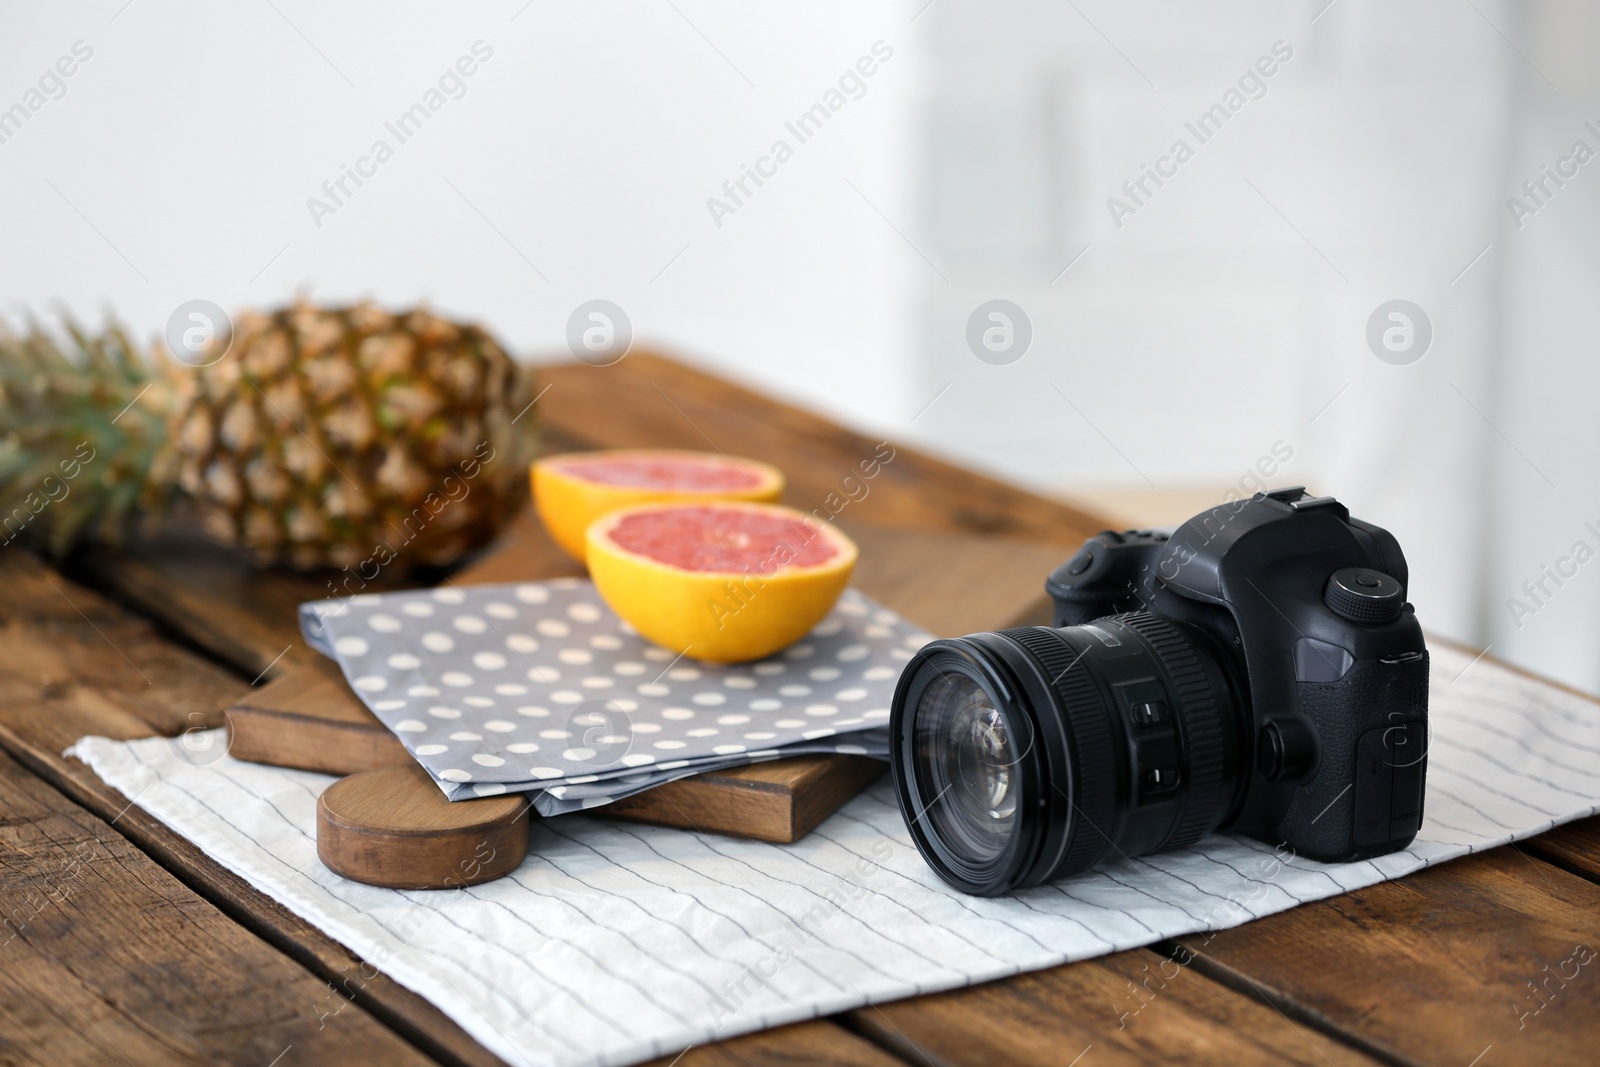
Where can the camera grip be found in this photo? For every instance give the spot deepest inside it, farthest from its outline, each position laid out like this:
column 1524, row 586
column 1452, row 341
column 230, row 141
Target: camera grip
column 1111, row 574
column 1366, row 795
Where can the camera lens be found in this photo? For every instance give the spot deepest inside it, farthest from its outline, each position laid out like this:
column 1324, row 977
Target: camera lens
column 1034, row 753
column 963, row 740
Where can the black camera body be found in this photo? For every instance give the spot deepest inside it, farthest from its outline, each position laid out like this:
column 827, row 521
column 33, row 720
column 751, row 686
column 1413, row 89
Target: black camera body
column 1258, row 669
column 1309, row 607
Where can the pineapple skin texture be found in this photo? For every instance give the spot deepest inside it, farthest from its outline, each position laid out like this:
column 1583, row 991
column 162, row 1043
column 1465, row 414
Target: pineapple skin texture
column 351, row 438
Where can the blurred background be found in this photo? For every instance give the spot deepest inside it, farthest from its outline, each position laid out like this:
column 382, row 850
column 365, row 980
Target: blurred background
column 1348, row 244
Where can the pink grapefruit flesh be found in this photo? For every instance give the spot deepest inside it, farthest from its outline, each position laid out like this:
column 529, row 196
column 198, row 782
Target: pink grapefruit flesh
column 741, row 541
column 681, row 474
column 570, row 492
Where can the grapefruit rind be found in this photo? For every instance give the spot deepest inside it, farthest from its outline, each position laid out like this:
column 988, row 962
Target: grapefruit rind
column 718, row 616
column 567, row 503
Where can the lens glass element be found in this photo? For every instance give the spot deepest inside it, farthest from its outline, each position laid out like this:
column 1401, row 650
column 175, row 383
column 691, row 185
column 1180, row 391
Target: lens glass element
column 965, row 749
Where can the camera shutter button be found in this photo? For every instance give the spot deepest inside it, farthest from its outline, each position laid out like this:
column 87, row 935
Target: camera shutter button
column 1362, row 594
column 1286, row 749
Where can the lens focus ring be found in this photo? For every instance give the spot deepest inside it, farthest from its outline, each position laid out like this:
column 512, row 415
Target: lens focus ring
column 1201, row 722
column 1091, row 743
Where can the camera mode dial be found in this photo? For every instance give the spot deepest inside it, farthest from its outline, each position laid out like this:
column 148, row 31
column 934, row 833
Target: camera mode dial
column 1362, row 594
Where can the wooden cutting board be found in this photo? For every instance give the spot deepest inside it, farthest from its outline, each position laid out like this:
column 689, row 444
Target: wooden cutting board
column 308, row 718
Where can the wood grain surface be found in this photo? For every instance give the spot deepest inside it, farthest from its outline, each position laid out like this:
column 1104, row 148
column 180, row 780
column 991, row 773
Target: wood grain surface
column 393, row 827
column 1405, row 973
column 209, row 597
column 1575, row 847
column 109, row 959
column 650, row 401
column 1130, row 1008
column 308, row 718
column 800, row 1045
column 72, row 664
column 781, row 801
column 1440, row 967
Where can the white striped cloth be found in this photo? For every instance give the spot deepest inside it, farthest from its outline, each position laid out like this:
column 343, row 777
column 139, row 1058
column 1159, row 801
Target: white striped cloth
column 616, row 942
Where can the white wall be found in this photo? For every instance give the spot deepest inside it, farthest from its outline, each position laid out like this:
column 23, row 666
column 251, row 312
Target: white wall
column 591, row 141
column 1546, row 493
column 1223, row 316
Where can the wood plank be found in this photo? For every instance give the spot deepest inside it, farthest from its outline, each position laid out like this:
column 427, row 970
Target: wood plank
column 1129, row 1008
column 820, row 1043
column 669, row 404
column 1574, row 847
column 781, row 801
column 1445, row 966
column 111, row 959
column 308, row 718
column 209, row 596
column 523, row 551
column 952, row 584
column 1440, row 967
column 71, row 664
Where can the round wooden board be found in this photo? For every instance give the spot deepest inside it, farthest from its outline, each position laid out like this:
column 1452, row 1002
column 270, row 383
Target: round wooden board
column 394, row 828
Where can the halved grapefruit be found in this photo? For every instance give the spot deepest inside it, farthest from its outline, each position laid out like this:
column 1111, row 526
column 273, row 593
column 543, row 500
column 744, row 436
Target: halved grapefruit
column 726, row 582
column 571, row 491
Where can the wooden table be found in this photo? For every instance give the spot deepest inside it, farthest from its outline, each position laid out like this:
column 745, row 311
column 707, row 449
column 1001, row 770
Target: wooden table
column 124, row 944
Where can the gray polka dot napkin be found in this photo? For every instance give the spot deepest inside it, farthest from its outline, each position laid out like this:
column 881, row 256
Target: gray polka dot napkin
column 559, row 799
column 540, row 687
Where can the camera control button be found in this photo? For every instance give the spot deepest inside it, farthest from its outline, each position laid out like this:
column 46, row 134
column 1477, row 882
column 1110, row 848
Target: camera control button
column 1286, row 750
column 1080, row 563
column 1160, row 779
column 1149, row 713
column 1362, row 594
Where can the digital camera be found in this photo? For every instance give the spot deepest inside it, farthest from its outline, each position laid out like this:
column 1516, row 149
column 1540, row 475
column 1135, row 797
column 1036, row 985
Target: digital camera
column 1256, row 670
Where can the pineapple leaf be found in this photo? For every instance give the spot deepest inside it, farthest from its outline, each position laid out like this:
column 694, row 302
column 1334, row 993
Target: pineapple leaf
column 75, row 445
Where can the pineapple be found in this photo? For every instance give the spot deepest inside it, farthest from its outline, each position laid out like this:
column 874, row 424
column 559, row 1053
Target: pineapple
column 324, row 437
